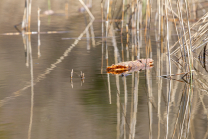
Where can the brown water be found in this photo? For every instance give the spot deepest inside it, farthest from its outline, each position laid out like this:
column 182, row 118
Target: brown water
column 40, row 101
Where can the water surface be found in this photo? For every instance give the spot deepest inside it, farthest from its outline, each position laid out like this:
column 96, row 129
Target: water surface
column 40, row 100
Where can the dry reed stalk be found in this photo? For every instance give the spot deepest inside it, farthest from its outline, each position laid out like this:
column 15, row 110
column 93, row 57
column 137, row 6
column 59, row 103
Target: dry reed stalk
column 190, row 44
column 88, row 39
column 24, row 19
column 28, row 51
column 101, row 5
column 92, row 17
column 116, row 53
column 91, row 29
column 190, row 58
column 86, row 8
column 72, row 84
column 93, row 35
column 184, row 39
column 106, row 34
column 24, row 38
column 29, row 15
column 186, row 112
column 148, row 17
column 39, row 32
column 132, row 113
column 118, row 106
column 122, row 49
column 135, row 104
column 139, row 29
column 72, row 74
column 127, row 34
column 159, row 91
column 132, row 30
column 135, row 28
column 125, row 103
column 179, row 111
column 122, row 21
column 32, row 89
column 180, row 43
column 109, row 88
column 158, row 37
column 127, row 42
column 151, row 97
column 161, row 28
column 170, row 72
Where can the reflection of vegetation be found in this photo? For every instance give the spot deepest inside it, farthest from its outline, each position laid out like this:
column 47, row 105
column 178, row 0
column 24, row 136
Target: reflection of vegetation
column 95, row 95
column 4, row 134
column 96, row 103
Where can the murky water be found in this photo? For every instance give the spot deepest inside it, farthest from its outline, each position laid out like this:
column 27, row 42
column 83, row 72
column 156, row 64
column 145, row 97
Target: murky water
column 39, row 100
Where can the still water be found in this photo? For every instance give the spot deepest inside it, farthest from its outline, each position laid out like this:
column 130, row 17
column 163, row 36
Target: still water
column 39, row 100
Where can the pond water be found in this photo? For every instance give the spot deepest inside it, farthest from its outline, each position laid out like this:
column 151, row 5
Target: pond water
column 39, row 100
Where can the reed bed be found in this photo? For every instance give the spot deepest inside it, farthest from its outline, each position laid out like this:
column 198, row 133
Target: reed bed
column 180, row 58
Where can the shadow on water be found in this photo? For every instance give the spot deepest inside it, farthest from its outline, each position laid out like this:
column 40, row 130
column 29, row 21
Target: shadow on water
column 67, row 89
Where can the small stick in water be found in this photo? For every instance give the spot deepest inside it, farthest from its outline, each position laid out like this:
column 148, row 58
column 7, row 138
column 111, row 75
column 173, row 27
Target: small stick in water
column 82, row 75
column 71, row 74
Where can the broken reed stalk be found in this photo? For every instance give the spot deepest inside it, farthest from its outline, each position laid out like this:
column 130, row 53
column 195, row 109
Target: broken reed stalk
column 86, row 8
